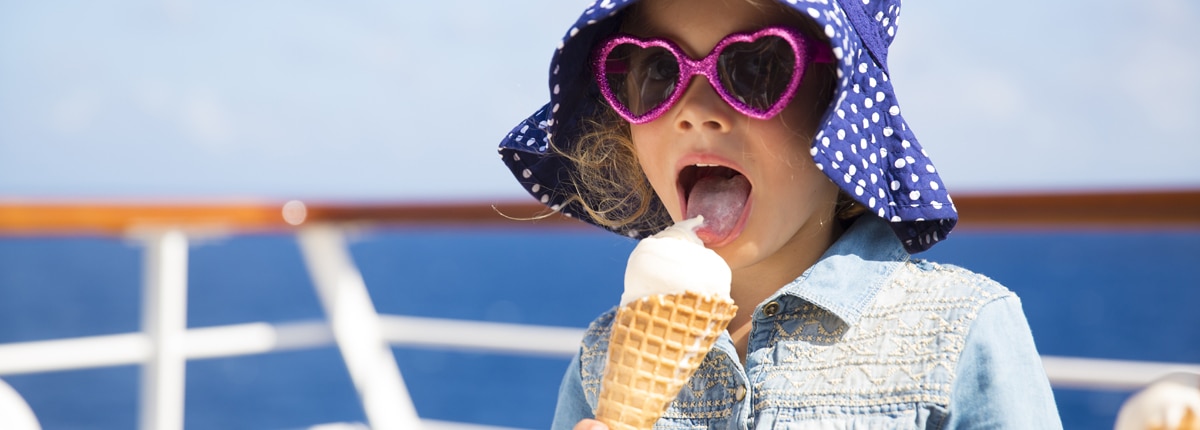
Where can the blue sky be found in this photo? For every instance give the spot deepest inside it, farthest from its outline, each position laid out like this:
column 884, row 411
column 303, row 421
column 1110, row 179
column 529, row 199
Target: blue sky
column 385, row 100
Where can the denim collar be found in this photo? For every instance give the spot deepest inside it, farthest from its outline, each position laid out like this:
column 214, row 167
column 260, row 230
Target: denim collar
column 852, row 271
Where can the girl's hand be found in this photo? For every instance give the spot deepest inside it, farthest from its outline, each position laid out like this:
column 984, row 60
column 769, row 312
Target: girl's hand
column 590, row 425
column 1170, row 403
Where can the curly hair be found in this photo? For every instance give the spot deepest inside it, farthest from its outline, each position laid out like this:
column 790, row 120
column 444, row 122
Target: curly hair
column 608, row 182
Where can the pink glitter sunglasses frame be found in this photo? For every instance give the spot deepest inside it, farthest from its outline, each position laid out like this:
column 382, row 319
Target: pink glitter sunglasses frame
column 806, row 49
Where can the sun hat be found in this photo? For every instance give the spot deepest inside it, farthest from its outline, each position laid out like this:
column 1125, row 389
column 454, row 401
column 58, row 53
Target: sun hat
column 863, row 143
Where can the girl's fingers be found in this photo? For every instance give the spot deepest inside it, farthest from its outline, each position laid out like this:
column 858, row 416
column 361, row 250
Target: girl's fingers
column 590, row 425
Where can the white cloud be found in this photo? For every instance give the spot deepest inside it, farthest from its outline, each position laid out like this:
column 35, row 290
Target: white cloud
column 75, row 112
column 1060, row 104
column 1160, row 65
column 206, row 120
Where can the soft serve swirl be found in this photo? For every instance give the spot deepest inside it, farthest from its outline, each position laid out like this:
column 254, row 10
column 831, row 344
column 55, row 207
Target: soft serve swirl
column 673, row 261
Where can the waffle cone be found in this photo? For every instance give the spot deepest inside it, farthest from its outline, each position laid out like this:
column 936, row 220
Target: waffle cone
column 657, row 343
column 1190, row 422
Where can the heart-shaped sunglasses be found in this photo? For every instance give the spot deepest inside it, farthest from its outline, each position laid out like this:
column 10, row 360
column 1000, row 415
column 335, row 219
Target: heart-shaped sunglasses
column 756, row 73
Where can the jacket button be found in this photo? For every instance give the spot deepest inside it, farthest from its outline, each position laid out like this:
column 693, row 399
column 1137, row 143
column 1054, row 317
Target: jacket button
column 770, row 309
column 740, row 394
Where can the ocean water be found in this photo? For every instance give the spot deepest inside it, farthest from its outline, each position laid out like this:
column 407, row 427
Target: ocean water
column 1101, row 294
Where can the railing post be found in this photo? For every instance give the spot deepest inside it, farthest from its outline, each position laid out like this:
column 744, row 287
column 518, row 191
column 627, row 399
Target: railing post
column 356, row 329
column 164, row 321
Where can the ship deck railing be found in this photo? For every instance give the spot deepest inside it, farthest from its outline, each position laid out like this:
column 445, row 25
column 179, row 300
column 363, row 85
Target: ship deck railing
column 365, row 337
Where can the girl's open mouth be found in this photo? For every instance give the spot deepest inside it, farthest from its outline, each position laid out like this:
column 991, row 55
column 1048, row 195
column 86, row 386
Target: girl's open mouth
column 718, row 193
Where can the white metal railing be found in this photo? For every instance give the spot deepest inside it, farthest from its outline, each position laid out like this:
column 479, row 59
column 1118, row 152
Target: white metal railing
column 405, row 331
column 356, row 329
column 164, row 322
column 363, row 337
column 260, row 338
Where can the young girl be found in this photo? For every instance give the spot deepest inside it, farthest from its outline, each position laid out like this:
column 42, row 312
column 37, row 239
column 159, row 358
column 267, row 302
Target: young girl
column 778, row 123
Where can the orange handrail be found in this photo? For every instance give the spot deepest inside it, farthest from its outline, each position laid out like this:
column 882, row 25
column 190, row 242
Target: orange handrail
column 1120, row 209
column 75, row 218
column 1149, row 209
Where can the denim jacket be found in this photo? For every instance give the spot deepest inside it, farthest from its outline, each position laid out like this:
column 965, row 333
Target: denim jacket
column 867, row 338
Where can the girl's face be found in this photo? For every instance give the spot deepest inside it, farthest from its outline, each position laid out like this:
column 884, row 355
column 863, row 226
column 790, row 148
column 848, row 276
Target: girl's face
column 764, row 201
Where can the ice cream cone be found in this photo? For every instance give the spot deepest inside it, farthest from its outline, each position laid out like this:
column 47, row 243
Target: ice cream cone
column 1190, row 422
column 657, row 343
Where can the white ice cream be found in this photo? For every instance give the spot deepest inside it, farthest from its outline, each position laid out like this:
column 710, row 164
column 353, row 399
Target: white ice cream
column 1163, row 404
column 673, row 261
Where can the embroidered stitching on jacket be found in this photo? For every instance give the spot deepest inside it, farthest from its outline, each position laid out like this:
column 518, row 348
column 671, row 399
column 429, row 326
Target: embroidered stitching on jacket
column 904, row 349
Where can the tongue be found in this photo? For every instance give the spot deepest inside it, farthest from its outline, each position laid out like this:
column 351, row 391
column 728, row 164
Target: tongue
column 721, row 201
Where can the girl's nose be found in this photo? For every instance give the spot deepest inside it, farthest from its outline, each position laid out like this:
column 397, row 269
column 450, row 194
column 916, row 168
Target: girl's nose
column 701, row 108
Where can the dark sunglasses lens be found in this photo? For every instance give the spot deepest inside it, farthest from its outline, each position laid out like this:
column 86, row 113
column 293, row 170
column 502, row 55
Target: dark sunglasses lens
column 641, row 78
column 757, row 73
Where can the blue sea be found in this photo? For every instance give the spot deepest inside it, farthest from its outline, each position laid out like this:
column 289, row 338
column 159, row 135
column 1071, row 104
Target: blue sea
column 1099, row 294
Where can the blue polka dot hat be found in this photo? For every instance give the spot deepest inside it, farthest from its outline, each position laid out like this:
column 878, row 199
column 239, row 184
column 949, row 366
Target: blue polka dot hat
column 864, row 145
